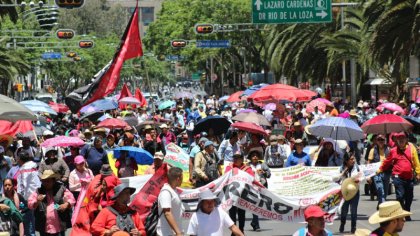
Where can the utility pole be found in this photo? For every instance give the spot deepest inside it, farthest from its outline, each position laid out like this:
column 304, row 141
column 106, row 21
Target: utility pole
column 211, row 76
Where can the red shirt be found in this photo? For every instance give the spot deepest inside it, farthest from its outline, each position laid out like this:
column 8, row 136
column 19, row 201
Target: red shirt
column 400, row 161
column 106, row 219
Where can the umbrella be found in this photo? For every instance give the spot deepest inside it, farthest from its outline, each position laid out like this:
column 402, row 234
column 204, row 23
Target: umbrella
column 219, row 124
column 184, row 95
column 246, row 111
column 385, row 124
column 337, row 128
column 92, row 116
column 249, row 127
column 129, row 100
column 112, row 123
column 59, row 107
column 251, row 90
column 131, row 120
column 13, row 111
column 141, row 156
column 392, row 107
column 39, row 130
column 100, row 105
column 63, row 141
column 40, row 109
column 235, row 97
column 270, row 106
column 105, row 116
column 281, row 92
column 9, row 128
column 252, row 117
column 166, row 104
column 224, row 98
column 321, row 103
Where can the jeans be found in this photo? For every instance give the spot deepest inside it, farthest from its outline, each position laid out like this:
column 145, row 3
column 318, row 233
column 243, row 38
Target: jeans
column 241, row 216
column 404, row 191
column 352, row 203
column 382, row 186
column 29, row 223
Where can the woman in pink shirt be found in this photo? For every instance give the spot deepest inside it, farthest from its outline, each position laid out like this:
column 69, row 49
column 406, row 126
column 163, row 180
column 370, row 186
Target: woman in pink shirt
column 80, row 177
column 52, row 203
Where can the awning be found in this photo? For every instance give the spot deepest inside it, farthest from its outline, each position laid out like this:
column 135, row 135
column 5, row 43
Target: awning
column 376, row 81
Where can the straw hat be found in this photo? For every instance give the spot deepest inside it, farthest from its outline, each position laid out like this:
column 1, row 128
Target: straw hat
column 47, row 174
column 120, row 188
column 307, row 129
column 349, row 188
column 388, row 211
column 353, row 112
column 6, row 138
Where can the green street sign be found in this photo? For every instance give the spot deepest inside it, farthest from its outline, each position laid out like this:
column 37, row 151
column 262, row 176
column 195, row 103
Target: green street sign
column 196, row 76
column 291, row 11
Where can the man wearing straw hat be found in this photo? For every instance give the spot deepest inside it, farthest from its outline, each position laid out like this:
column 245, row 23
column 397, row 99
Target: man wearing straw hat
column 390, row 217
column 208, row 210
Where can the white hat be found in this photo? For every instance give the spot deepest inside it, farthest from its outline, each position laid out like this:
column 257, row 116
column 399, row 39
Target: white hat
column 163, row 126
column 349, row 188
column 158, row 155
column 47, row 133
column 388, row 211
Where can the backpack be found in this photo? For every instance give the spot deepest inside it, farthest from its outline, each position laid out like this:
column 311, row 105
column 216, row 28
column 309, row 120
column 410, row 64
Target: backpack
column 211, row 168
column 150, row 224
column 124, row 221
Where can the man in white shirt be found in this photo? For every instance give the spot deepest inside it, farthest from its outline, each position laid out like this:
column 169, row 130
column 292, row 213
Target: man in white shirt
column 170, row 220
column 211, row 220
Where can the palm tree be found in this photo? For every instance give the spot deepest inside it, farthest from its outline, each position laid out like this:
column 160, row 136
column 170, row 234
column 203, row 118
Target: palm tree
column 8, row 11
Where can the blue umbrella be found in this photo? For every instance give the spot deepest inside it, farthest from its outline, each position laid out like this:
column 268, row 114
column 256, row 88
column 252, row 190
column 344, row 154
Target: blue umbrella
column 141, row 156
column 43, row 109
column 253, row 89
column 337, row 128
column 166, row 104
column 100, row 105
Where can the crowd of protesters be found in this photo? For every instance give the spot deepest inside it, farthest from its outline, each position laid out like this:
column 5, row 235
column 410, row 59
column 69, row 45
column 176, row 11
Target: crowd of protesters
column 42, row 186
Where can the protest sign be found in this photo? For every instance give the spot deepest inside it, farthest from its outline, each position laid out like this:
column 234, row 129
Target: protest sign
column 176, row 156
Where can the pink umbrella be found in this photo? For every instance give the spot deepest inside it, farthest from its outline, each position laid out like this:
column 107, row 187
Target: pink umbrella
column 249, row 127
column 392, row 107
column 235, row 97
column 270, row 106
column 319, row 102
column 59, row 107
column 112, row 123
column 63, row 141
column 129, row 100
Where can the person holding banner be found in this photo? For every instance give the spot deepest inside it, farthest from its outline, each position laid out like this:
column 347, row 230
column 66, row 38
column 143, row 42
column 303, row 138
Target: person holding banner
column 314, row 216
column 208, row 210
column 238, row 163
column 298, row 157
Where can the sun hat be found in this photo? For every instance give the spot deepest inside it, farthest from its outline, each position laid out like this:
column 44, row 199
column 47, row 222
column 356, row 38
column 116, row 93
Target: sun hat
column 79, row 159
column 307, row 129
column 158, row 155
column 273, row 139
column 349, row 188
column 47, row 174
column 163, row 126
column 388, row 211
column 208, row 143
column 87, row 131
column 297, row 123
column 353, row 112
column 362, row 232
column 100, row 130
column 47, row 133
column 106, row 170
column 203, row 140
column 298, row 141
column 120, row 188
column 146, row 127
column 313, row 211
column 7, row 138
column 207, row 194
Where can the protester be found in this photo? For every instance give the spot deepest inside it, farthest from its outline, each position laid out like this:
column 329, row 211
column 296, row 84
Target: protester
column 110, row 144
column 52, row 162
column 126, row 165
column 118, row 216
column 262, row 173
column 390, row 217
column 206, row 165
column 167, row 136
column 69, row 159
column 197, row 148
column 298, row 157
column 153, row 143
column 351, row 175
column 95, row 155
column 208, row 210
column 403, row 160
column 275, row 154
column 314, row 217
column 52, row 204
column 157, row 163
column 20, row 204
column 228, row 147
column 5, row 164
column 170, row 220
column 80, row 177
column 238, row 163
column 329, row 154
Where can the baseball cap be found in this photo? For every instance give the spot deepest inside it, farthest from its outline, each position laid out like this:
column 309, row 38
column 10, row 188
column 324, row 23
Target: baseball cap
column 313, row 211
column 203, row 140
column 208, row 143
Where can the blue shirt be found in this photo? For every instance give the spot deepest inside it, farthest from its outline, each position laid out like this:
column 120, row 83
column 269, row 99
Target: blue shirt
column 194, row 151
column 226, row 150
column 295, row 159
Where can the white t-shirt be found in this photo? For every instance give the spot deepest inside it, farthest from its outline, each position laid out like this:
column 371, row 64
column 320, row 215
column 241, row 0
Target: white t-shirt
column 218, row 219
column 168, row 198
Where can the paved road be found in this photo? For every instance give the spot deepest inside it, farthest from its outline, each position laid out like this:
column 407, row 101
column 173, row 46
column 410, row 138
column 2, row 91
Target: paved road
column 366, row 208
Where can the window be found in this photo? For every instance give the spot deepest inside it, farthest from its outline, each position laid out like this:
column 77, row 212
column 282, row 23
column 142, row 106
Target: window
column 147, row 15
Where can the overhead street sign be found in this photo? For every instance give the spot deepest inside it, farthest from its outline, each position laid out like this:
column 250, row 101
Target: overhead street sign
column 291, row 11
column 212, row 43
column 51, row 55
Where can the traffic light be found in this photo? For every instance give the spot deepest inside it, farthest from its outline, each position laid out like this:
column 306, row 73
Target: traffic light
column 179, row 43
column 71, row 54
column 86, row 44
column 69, row 3
column 65, row 34
column 204, row 29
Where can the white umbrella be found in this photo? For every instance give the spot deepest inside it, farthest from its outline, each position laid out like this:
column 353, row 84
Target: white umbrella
column 12, row 111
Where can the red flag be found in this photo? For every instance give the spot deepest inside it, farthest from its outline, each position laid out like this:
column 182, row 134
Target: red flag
column 9, row 128
column 144, row 199
column 125, row 92
column 140, row 97
column 107, row 79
